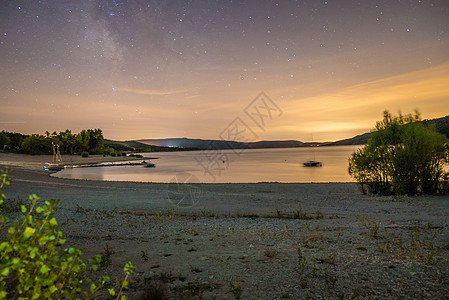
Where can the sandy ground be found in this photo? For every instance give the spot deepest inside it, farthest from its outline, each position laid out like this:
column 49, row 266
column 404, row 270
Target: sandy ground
column 280, row 241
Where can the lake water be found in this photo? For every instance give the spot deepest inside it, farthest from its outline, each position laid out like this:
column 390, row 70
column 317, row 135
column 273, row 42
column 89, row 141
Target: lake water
column 227, row 166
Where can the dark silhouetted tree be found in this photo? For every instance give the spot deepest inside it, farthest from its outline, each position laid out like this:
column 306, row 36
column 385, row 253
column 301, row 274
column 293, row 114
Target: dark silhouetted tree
column 36, row 144
column 4, row 140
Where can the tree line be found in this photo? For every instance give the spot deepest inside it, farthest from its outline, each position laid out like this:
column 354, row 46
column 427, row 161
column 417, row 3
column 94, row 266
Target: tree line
column 89, row 140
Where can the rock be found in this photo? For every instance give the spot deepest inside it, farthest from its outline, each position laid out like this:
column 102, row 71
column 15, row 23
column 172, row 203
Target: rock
column 268, row 242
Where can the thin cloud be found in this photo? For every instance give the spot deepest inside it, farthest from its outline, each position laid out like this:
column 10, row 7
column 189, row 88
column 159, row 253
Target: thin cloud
column 428, row 84
column 149, row 92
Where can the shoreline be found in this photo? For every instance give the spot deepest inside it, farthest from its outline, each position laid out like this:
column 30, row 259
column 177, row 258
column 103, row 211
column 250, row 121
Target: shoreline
column 33, row 162
column 206, row 235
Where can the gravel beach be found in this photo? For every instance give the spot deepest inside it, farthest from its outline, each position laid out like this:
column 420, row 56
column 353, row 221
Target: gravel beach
column 253, row 241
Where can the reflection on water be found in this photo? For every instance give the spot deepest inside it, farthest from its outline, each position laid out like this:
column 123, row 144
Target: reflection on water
column 255, row 165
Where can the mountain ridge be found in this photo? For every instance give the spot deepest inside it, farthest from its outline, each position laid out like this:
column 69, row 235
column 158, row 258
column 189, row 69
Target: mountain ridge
column 441, row 124
column 220, row 144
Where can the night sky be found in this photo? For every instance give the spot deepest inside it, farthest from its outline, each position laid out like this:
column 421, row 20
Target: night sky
column 156, row 69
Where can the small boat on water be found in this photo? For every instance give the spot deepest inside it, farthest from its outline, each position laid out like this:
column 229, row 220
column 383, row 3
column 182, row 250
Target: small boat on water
column 53, row 167
column 148, row 164
column 312, row 163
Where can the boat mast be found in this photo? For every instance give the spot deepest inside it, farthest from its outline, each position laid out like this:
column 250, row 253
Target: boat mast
column 313, row 148
column 57, row 158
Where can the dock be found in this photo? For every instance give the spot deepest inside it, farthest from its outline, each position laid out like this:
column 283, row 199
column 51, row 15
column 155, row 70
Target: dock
column 109, row 164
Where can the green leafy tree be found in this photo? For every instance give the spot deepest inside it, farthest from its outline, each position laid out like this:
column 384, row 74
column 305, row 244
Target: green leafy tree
column 82, row 142
column 15, row 141
column 90, row 140
column 67, row 141
column 401, row 157
column 4, row 140
column 36, row 144
column 34, row 264
column 96, row 140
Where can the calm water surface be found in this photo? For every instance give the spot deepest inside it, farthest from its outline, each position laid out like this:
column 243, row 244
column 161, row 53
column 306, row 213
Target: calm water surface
column 256, row 165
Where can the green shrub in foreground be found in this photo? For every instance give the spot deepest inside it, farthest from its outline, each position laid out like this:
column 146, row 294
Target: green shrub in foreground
column 35, row 265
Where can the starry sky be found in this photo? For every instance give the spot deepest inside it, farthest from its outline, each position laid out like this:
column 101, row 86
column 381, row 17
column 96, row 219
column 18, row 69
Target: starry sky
column 158, row 69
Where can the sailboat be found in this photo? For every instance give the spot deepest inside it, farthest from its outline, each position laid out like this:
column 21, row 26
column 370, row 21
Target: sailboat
column 312, row 163
column 57, row 159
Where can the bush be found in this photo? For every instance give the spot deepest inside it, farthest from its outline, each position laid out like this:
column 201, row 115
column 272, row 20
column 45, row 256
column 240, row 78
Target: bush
column 85, row 154
column 4, row 140
column 36, row 144
column 35, row 265
column 401, row 157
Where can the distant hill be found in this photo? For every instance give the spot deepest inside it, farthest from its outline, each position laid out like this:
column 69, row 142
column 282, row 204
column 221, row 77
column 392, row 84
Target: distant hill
column 191, row 143
column 220, row 144
column 136, row 146
column 276, row 144
column 178, row 144
column 360, row 139
column 441, row 125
